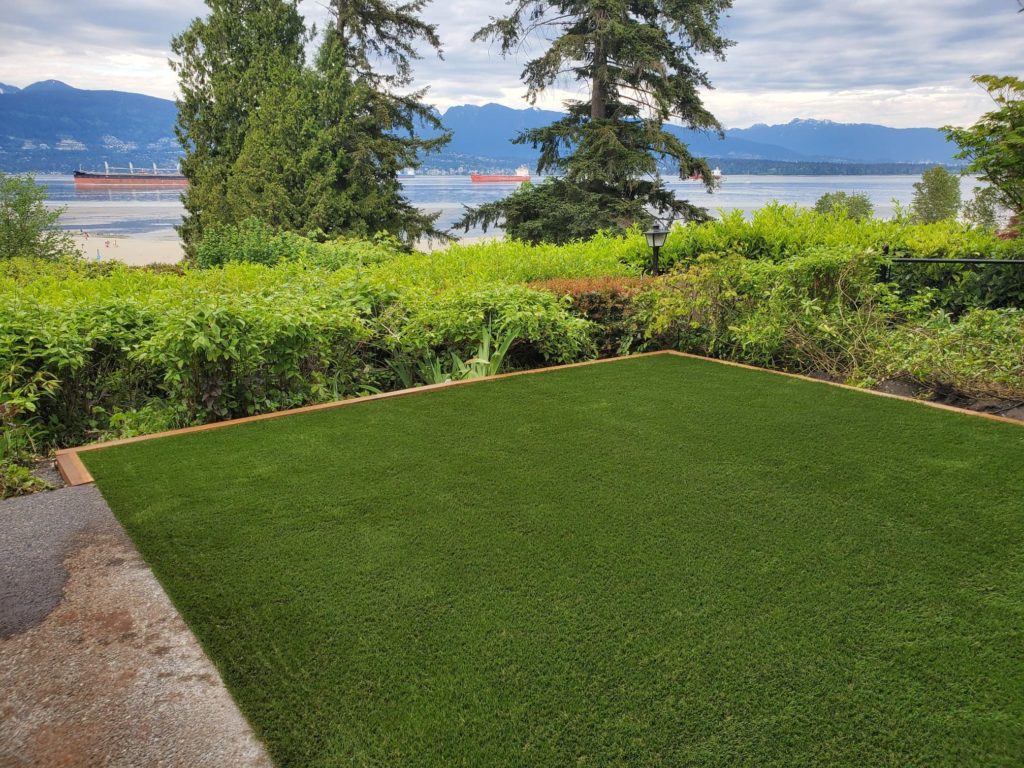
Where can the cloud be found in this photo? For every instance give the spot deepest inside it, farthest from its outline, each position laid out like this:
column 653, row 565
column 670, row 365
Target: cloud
column 905, row 63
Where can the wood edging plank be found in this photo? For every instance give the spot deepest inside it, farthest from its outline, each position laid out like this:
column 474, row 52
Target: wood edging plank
column 74, row 471
column 83, row 476
column 71, row 468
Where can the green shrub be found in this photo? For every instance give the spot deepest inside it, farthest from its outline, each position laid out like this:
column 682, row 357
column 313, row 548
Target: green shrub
column 27, row 228
column 779, row 232
column 856, row 205
column 824, row 314
column 546, row 332
column 223, row 356
column 353, row 253
column 607, row 302
column 88, row 353
column 817, row 313
column 251, row 242
column 93, row 351
column 508, row 262
column 16, row 480
column 979, row 355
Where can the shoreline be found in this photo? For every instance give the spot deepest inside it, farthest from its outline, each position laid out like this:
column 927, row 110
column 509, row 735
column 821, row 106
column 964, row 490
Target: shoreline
column 142, row 250
column 135, row 251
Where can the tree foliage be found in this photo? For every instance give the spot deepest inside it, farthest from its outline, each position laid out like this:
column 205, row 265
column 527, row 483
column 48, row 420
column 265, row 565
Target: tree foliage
column 27, row 228
column 225, row 63
column 640, row 62
column 936, row 196
column 982, row 210
column 994, row 146
column 856, row 205
column 368, row 123
column 311, row 148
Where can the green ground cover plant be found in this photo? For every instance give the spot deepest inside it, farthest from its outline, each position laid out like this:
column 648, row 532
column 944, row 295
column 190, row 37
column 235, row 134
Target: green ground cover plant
column 657, row 561
column 268, row 321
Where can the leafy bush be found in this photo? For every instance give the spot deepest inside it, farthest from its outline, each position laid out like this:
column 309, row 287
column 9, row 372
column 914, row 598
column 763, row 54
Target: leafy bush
column 16, row 480
column 779, row 232
column 434, row 369
column 817, row 313
column 979, row 355
column 255, row 242
column 546, row 332
column 824, row 314
column 27, row 228
column 507, row 262
column 223, row 356
column 251, row 242
column 608, row 303
column 88, row 352
column 856, row 205
column 92, row 351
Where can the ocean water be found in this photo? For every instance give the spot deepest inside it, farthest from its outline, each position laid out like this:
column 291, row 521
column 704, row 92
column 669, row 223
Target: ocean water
column 154, row 213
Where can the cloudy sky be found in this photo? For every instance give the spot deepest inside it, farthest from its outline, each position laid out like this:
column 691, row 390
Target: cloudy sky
column 897, row 62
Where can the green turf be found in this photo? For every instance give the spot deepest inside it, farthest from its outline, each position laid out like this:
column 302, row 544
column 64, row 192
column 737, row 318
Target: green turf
column 655, row 561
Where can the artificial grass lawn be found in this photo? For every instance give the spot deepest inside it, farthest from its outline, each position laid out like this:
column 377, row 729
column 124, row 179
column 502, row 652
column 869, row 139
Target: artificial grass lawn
column 654, row 561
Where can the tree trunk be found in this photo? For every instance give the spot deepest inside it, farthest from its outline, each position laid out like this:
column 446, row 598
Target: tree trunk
column 340, row 16
column 598, row 95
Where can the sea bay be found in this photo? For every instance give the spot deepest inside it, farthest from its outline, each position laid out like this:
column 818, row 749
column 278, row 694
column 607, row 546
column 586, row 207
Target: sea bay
column 153, row 214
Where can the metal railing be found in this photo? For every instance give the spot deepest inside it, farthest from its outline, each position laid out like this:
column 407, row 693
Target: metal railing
column 885, row 270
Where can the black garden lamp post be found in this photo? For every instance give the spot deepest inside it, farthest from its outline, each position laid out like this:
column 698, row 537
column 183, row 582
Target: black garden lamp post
column 656, row 237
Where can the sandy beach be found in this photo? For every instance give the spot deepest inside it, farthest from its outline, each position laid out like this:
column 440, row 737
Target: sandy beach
column 137, row 251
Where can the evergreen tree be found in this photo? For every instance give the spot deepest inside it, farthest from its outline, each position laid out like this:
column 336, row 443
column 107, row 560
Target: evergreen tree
column 639, row 59
column 225, row 63
column 936, row 196
column 269, row 180
column 306, row 149
column 369, row 124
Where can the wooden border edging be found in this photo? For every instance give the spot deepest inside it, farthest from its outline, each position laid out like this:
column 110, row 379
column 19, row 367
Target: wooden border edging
column 801, row 377
column 74, row 472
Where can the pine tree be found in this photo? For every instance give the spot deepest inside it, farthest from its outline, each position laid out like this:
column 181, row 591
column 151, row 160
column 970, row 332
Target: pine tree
column 369, row 124
column 640, row 60
column 225, row 63
column 303, row 148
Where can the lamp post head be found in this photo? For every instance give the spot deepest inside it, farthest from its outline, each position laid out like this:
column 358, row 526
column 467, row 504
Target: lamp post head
column 656, row 235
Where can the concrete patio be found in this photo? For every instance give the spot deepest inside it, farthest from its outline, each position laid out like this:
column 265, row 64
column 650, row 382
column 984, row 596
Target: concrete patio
column 96, row 665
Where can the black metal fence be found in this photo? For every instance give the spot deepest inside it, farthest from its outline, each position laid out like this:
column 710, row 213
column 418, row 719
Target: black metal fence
column 885, row 270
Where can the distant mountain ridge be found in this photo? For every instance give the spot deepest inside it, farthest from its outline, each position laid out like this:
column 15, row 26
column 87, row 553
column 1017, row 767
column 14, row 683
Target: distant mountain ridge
column 494, row 125
column 853, row 142
column 50, row 126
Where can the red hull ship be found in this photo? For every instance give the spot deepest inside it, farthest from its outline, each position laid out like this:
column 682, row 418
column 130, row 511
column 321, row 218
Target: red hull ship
column 522, row 174
column 112, row 177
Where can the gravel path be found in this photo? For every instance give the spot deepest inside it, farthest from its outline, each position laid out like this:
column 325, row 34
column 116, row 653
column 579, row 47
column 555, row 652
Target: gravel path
column 96, row 666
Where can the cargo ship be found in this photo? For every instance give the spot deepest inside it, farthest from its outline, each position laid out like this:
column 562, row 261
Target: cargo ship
column 141, row 177
column 522, row 174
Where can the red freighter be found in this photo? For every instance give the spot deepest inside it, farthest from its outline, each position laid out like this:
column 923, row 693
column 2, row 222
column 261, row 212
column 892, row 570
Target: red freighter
column 522, row 174
column 114, row 177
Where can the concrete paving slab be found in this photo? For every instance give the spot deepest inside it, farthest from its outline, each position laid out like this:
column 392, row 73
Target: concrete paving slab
column 96, row 666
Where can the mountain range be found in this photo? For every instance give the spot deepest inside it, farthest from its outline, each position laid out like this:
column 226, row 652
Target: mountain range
column 50, row 126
